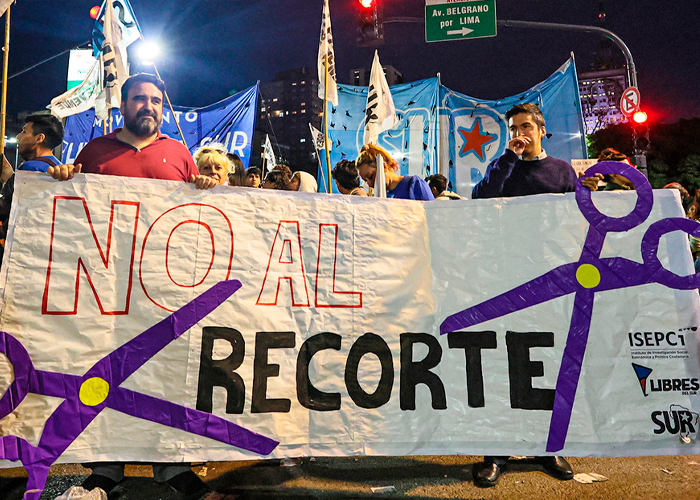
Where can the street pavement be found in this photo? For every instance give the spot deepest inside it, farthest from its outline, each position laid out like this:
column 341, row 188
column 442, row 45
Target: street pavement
column 431, row 477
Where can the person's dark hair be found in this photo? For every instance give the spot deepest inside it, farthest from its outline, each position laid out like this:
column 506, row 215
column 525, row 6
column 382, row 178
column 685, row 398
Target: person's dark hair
column 610, row 154
column 237, row 177
column 346, row 174
column 437, row 181
column 253, row 170
column 278, row 179
column 283, row 168
column 48, row 125
column 141, row 78
column 532, row 109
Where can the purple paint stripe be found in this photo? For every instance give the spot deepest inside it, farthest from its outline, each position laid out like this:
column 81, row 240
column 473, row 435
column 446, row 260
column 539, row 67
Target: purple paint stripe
column 570, row 370
column 125, row 360
column 34, row 460
column 555, row 283
column 193, row 421
column 58, row 385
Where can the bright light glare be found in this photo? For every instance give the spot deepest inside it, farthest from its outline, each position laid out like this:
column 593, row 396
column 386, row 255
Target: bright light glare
column 639, row 117
column 10, row 140
column 366, row 3
column 94, row 11
column 148, row 52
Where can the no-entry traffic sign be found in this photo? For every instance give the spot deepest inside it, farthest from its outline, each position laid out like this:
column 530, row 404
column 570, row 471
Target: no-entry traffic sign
column 629, row 104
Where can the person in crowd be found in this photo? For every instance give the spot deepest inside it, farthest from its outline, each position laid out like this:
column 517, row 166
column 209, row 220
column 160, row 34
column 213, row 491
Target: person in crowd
column 212, row 160
column 347, row 178
column 35, row 143
column 525, row 168
column 407, row 187
column 139, row 149
column 237, row 176
column 252, row 177
column 613, row 182
column 683, row 191
column 277, row 179
column 438, row 186
column 40, row 135
column 304, row 182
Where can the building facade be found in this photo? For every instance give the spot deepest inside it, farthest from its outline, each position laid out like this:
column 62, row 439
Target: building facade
column 600, row 93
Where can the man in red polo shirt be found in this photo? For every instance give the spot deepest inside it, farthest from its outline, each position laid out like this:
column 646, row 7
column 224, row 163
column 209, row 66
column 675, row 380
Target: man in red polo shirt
column 140, row 150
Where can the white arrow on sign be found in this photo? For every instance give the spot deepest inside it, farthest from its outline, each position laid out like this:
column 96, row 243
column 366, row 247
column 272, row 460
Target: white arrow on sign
column 463, row 31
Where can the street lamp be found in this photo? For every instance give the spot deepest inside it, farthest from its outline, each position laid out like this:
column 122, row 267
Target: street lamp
column 147, row 52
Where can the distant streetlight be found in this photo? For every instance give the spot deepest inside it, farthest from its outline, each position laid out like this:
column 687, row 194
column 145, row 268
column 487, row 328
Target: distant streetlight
column 148, row 52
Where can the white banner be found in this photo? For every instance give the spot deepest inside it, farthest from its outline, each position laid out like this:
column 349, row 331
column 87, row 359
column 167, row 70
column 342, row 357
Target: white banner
column 332, row 344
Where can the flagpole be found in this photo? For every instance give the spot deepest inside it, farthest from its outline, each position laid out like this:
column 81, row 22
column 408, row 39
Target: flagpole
column 326, row 142
column 323, row 177
column 170, row 105
column 5, row 62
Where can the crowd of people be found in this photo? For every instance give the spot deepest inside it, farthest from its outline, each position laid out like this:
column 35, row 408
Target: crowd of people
column 139, row 149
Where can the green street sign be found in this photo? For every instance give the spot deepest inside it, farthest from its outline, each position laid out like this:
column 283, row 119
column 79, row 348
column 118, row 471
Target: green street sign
column 459, row 19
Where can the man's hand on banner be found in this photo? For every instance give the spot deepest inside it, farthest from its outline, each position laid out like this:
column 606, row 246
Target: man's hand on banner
column 590, row 182
column 64, row 172
column 203, row 182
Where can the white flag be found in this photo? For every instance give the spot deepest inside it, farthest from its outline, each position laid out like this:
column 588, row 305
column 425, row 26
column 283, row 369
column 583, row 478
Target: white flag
column 4, row 5
column 325, row 48
column 380, row 112
column 80, row 98
column 128, row 26
column 317, row 137
column 114, row 64
column 269, row 155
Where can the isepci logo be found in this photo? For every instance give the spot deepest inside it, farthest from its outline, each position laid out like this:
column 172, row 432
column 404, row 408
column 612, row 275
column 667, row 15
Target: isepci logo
column 675, row 420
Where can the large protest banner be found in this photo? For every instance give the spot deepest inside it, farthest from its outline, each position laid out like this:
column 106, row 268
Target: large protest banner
column 443, row 131
column 230, row 122
column 329, row 325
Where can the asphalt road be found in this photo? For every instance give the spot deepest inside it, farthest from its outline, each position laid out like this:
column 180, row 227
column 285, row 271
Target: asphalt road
column 433, row 477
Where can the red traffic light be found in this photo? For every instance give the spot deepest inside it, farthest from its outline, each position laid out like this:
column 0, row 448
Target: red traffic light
column 639, row 117
column 367, row 4
column 94, row 12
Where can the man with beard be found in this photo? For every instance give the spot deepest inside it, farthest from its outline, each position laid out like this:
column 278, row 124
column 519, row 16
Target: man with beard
column 138, row 149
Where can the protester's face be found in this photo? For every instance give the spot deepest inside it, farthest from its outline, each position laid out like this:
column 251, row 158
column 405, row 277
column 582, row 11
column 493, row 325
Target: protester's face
column 294, row 184
column 268, row 184
column 27, row 141
column 143, row 109
column 214, row 170
column 253, row 180
column 524, row 124
column 368, row 171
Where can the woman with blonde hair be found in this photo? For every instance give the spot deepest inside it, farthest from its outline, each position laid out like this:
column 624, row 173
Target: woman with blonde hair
column 407, row 187
column 212, row 161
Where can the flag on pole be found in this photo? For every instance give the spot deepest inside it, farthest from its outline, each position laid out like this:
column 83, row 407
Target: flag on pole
column 128, row 26
column 4, row 5
column 325, row 48
column 380, row 115
column 317, row 137
column 380, row 112
column 80, row 98
column 113, row 62
column 269, row 154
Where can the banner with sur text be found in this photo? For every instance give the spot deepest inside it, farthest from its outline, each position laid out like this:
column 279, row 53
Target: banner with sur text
column 230, row 122
column 146, row 320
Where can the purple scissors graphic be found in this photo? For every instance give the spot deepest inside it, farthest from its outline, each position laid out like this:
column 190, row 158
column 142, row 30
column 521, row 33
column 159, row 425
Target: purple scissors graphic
column 86, row 396
column 584, row 278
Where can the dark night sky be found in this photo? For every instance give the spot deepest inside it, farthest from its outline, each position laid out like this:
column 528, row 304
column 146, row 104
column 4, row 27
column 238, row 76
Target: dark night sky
column 218, row 46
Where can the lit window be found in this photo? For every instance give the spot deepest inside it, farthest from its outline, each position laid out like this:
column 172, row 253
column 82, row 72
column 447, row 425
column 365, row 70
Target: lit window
column 303, row 82
column 302, row 140
column 274, row 100
column 294, row 83
column 303, row 111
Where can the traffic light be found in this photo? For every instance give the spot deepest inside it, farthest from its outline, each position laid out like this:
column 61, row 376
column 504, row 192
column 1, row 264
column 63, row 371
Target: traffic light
column 370, row 29
column 94, row 12
column 640, row 129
